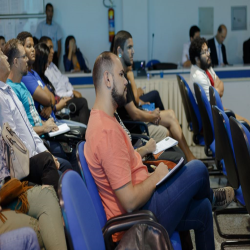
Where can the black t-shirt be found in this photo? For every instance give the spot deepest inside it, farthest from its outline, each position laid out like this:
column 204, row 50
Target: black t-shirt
column 130, row 98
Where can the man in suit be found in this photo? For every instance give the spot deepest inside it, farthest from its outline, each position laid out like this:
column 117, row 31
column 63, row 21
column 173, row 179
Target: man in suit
column 218, row 49
column 246, row 52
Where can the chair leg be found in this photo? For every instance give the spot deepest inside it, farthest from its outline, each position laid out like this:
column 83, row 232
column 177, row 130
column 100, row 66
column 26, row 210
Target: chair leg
column 234, row 243
column 230, row 211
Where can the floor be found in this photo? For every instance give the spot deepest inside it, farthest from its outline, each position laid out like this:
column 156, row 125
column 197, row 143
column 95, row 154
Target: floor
column 229, row 223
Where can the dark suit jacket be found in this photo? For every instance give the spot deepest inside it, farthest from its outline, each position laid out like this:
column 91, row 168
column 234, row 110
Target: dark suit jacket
column 214, row 58
column 246, row 52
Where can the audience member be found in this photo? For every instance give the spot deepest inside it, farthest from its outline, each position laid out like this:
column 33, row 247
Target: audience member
column 51, row 29
column 73, row 58
column 18, row 68
column 194, row 32
column 53, row 77
column 246, row 52
column 124, row 183
column 2, row 42
column 202, row 71
column 160, row 123
column 23, row 239
column 218, row 49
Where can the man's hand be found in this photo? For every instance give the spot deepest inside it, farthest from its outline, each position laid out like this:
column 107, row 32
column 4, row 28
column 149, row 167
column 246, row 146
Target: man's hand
column 46, row 112
column 150, row 146
column 161, row 170
column 49, row 126
column 156, row 116
column 140, row 91
column 77, row 94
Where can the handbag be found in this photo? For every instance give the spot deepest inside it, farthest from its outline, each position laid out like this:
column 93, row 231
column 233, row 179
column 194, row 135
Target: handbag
column 11, row 190
column 17, row 154
column 150, row 236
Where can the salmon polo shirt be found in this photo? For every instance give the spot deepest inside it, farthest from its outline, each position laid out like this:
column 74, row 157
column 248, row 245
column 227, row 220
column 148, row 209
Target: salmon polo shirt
column 112, row 160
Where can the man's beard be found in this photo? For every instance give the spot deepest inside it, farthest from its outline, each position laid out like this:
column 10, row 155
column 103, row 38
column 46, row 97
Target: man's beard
column 127, row 62
column 24, row 73
column 119, row 99
column 205, row 65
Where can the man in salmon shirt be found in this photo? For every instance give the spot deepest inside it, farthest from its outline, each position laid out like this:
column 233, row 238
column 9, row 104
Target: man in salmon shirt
column 124, row 184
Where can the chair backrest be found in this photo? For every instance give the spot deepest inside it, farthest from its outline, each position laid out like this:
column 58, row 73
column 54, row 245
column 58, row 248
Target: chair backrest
column 90, row 184
column 152, row 62
column 241, row 142
column 215, row 99
column 82, row 225
column 193, row 107
column 206, row 116
column 224, row 149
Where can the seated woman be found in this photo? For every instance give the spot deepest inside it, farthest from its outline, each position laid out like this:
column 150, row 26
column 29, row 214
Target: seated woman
column 73, row 59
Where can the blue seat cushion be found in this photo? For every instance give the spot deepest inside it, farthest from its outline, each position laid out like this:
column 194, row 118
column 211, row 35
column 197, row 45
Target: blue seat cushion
column 176, row 241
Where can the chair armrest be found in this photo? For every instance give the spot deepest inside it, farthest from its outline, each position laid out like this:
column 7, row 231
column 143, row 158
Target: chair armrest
column 138, row 123
column 128, row 216
column 229, row 113
column 125, row 225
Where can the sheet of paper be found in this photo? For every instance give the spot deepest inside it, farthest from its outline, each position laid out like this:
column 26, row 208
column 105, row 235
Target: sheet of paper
column 4, row 7
column 164, row 144
column 172, row 172
column 62, row 129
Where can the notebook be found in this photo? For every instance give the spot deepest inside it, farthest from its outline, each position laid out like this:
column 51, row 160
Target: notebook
column 63, row 128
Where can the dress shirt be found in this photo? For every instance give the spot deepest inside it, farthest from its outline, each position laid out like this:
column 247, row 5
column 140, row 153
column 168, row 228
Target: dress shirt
column 219, row 52
column 4, row 170
column 185, row 52
column 52, row 30
column 13, row 112
column 60, row 82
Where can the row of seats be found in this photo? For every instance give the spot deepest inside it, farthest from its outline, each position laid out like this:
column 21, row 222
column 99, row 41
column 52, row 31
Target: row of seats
column 226, row 139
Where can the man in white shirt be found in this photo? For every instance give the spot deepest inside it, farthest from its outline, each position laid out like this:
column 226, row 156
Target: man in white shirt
column 194, row 32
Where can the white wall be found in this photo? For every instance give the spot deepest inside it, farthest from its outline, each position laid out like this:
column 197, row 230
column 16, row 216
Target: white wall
column 169, row 20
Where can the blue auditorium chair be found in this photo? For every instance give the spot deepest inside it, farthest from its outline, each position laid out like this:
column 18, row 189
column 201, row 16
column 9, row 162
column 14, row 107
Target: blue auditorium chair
column 225, row 152
column 92, row 188
column 82, row 225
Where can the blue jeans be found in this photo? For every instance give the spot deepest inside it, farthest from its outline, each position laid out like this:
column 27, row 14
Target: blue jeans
column 24, row 239
column 153, row 97
column 57, row 150
column 184, row 202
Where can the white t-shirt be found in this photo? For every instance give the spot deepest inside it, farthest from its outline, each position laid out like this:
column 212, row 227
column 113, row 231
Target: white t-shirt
column 197, row 75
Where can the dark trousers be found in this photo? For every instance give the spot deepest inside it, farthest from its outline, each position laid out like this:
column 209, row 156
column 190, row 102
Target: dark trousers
column 79, row 110
column 153, row 97
column 184, row 202
column 43, row 170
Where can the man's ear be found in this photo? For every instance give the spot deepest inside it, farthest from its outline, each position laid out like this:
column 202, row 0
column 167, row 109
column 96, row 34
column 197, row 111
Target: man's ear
column 197, row 59
column 107, row 79
column 119, row 52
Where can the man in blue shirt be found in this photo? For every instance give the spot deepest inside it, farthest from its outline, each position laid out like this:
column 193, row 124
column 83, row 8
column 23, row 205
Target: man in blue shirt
column 51, row 29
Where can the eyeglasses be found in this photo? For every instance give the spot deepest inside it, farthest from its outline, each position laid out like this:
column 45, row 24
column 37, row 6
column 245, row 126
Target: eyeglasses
column 24, row 56
column 206, row 52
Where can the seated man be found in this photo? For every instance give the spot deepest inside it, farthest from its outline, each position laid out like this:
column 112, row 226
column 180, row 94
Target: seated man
column 124, row 184
column 160, row 123
column 194, row 32
column 18, row 68
column 202, row 71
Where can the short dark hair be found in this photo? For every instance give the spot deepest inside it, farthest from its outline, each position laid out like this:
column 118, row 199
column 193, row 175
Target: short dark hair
column 103, row 62
column 195, row 48
column 23, row 36
column 120, row 38
column 2, row 38
column 42, row 54
column 49, row 5
column 220, row 28
column 11, row 49
column 193, row 30
column 44, row 39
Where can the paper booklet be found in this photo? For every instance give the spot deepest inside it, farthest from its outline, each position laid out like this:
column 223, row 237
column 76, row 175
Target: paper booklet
column 172, row 172
column 166, row 143
column 63, row 128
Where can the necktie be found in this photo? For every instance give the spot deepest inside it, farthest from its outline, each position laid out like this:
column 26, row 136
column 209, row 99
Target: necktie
column 220, row 61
